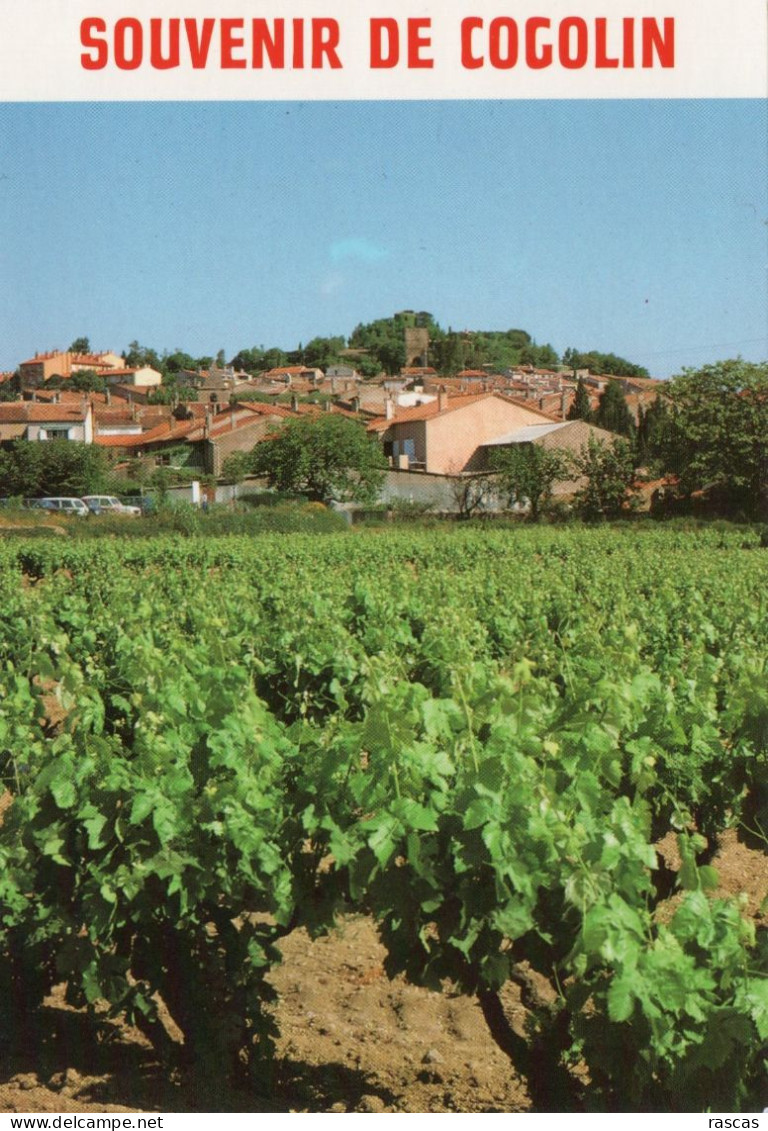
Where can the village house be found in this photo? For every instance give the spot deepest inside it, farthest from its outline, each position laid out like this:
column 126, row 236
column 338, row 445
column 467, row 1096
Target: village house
column 564, row 435
column 215, row 385
column 144, row 377
column 27, row 420
column 445, row 435
column 235, row 429
column 291, row 374
column 43, row 366
column 194, row 436
column 436, row 450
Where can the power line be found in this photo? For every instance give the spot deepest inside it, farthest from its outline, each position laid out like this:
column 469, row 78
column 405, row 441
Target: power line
column 707, row 346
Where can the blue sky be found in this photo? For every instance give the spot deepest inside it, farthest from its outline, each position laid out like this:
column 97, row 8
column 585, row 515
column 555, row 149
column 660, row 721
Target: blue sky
column 639, row 228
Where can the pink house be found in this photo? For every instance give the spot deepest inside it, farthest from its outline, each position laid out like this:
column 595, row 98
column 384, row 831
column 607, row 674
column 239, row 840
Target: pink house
column 446, row 436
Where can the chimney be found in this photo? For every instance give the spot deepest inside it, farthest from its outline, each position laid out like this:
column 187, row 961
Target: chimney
column 232, row 418
column 294, row 403
column 389, row 407
column 442, row 399
column 207, row 424
column 328, row 405
column 355, row 404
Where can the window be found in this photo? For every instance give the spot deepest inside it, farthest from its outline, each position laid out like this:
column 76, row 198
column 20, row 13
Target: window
column 55, row 432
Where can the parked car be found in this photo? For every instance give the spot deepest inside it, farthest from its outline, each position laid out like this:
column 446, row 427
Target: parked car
column 108, row 504
column 63, row 503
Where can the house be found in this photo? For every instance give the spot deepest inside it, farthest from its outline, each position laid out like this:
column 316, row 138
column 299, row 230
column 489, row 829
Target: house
column 235, row 429
column 160, row 442
column 418, row 372
column 289, row 374
column 37, row 370
column 202, row 439
column 564, row 435
column 142, row 377
column 345, row 372
column 446, row 435
column 26, row 420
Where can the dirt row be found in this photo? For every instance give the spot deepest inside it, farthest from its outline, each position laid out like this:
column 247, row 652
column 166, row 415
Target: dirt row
column 351, row 1040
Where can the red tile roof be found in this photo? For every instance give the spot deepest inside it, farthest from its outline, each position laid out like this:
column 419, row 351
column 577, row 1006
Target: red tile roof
column 262, row 409
column 28, row 412
column 169, row 432
column 290, row 370
column 94, row 359
column 456, row 401
column 42, row 357
column 72, row 396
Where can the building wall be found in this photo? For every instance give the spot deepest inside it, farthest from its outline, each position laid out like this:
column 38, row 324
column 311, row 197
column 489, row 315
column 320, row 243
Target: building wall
column 453, row 437
column 111, row 360
column 74, row 431
column 39, row 369
column 414, row 431
column 145, row 377
column 240, row 439
column 419, row 487
column 576, row 435
column 572, row 437
column 416, row 345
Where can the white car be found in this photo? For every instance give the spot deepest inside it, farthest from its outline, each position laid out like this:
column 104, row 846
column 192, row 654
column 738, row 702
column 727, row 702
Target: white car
column 108, row 504
column 64, row 503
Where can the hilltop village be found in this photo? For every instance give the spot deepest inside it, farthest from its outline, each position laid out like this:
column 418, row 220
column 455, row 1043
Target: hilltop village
column 435, row 418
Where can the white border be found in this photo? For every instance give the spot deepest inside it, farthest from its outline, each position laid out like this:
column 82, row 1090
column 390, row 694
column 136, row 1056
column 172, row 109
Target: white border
column 721, row 51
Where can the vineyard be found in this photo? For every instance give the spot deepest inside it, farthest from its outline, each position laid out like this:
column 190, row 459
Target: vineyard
column 478, row 739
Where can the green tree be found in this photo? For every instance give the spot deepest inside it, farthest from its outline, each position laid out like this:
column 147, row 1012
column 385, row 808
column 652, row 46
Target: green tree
column 612, row 412
column 602, row 363
column 539, row 356
column 248, row 360
column 177, row 361
column 448, row 353
column 137, row 356
column 527, row 474
column 722, row 418
column 609, row 470
column 274, row 358
column 236, row 466
column 10, row 390
column 322, row 352
column 326, row 458
column 80, row 345
column 87, row 381
column 171, row 393
column 580, row 409
column 57, row 467
column 385, row 337
column 657, row 441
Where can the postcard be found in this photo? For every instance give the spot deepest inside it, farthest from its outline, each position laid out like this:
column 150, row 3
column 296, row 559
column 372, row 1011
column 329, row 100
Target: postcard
column 232, row 183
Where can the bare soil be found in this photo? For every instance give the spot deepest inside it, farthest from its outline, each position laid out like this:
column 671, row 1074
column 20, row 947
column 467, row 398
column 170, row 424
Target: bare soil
column 351, row 1039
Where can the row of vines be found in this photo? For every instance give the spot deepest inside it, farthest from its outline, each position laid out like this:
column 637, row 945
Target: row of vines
column 476, row 737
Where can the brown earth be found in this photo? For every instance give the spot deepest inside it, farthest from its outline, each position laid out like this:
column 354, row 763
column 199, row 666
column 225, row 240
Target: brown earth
column 351, row 1039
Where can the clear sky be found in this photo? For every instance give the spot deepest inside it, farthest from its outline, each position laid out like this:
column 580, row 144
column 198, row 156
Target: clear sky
column 638, row 228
